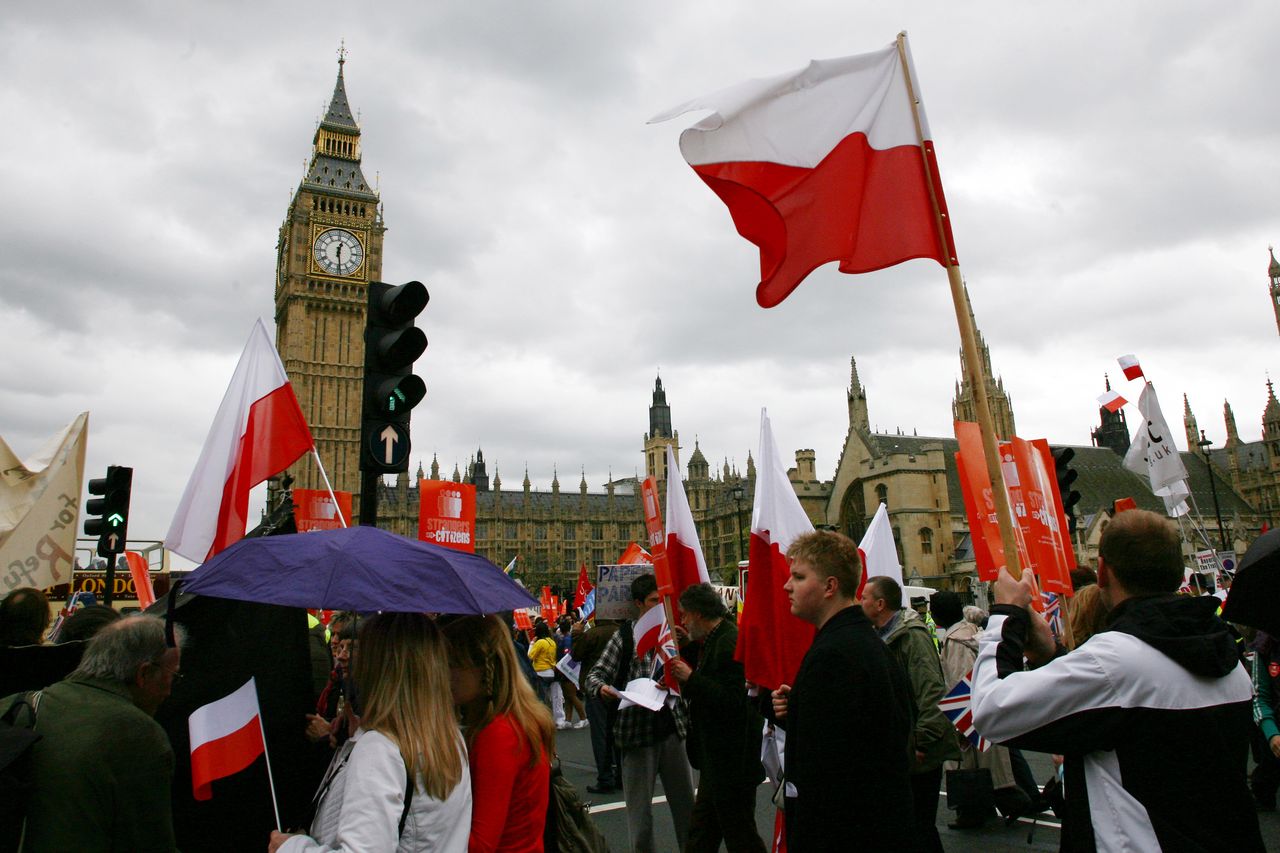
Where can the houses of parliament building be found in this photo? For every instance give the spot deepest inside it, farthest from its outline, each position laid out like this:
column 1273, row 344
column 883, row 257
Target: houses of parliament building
column 329, row 249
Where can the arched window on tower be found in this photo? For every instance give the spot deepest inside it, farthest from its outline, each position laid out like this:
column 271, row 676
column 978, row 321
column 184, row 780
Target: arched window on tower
column 882, row 493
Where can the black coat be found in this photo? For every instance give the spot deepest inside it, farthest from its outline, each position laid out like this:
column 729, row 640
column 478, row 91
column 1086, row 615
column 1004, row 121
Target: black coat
column 847, row 726
column 724, row 735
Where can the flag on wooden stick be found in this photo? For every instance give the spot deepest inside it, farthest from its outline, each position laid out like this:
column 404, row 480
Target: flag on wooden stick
column 825, row 163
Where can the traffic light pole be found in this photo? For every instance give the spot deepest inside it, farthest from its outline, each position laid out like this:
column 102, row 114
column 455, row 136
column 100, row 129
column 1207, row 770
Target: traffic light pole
column 369, row 498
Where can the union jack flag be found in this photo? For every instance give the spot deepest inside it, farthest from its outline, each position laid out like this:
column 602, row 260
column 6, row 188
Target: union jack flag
column 667, row 651
column 1053, row 613
column 956, row 706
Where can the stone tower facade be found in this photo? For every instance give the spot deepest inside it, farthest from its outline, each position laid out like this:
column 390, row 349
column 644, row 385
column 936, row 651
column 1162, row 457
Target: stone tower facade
column 329, row 249
column 1113, row 428
column 965, row 405
column 659, row 436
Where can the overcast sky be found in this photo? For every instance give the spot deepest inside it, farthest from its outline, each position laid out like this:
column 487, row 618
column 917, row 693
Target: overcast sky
column 1110, row 170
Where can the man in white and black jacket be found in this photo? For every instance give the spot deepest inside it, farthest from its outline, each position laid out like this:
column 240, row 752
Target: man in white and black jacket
column 1152, row 714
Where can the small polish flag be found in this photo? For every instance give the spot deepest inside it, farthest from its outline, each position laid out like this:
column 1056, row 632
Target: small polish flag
column 226, row 737
column 1129, row 364
column 649, row 630
column 1111, row 401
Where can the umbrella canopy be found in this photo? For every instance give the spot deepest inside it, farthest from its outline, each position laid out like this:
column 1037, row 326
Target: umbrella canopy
column 1254, row 599
column 358, row 568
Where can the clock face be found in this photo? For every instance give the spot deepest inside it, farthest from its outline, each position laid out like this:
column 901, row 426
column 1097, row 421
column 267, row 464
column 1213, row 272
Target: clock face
column 338, row 252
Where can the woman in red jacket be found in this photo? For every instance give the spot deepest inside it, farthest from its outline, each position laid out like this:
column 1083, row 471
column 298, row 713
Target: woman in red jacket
column 510, row 738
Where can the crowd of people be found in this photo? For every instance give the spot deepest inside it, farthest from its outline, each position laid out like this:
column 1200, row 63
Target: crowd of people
column 439, row 732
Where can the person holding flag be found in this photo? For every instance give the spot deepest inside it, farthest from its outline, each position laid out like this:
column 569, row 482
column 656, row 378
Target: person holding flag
column 1160, row 695
column 402, row 781
column 651, row 742
column 724, row 729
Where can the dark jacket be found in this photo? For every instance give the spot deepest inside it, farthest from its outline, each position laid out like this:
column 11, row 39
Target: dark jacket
column 1152, row 716
column 847, row 724
column 911, row 641
column 101, row 773
column 587, row 648
column 725, row 728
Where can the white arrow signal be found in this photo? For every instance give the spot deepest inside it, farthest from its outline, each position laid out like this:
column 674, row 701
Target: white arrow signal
column 389, row 438
column 112, row 540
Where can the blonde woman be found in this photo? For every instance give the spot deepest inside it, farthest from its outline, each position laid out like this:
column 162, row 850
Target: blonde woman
column 510, row 739
column 408, row 731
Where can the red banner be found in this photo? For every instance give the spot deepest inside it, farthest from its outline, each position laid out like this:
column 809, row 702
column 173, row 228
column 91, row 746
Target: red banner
column 979, row 502
column 1058, row 558
column 655, row 525
column 314, row 509
column 1043, row 544
column 447, row 514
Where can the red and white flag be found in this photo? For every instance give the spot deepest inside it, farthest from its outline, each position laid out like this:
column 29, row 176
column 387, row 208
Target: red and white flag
column 1129, row 364
column 226, row 737
column 684, row 551
column 1111, row 401
column 822, row 164
column 584, row 587
column 878, row 551
column 649, row 629
column 258, row 432
column 772, row 642
column 634, row 554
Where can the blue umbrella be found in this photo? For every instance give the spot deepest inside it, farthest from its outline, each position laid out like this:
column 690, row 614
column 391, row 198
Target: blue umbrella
column 358, row 568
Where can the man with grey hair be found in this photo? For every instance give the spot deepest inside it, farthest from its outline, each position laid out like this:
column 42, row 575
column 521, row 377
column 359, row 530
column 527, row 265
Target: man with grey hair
column 102, row 771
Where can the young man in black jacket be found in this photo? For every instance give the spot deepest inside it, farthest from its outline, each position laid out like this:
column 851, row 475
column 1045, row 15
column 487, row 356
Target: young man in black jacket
column 724, row 730
column 1152, row 714
column 847, row 718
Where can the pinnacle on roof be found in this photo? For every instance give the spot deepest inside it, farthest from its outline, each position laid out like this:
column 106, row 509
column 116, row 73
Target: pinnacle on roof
column 338, row 116
column 1272, row 411
column 697, row 454
column 1274, row 269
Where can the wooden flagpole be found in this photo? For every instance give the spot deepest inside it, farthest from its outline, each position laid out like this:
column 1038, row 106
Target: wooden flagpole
column 968, row 340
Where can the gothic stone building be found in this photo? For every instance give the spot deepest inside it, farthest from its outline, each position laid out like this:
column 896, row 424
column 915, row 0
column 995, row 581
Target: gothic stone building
column 555, row 532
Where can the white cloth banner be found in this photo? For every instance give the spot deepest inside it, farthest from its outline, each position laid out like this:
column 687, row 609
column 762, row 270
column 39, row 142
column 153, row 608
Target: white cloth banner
column 1153, row 455
column 39, row 509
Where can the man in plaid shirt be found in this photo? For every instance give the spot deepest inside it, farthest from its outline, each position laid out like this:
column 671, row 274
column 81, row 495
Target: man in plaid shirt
column 652, row 743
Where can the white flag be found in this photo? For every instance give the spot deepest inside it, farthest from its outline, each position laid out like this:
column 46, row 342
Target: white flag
column 878, row 550
column 1154, row 456
column 39, row 508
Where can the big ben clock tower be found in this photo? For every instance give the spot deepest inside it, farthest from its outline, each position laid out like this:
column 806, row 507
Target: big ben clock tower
column 330, row 248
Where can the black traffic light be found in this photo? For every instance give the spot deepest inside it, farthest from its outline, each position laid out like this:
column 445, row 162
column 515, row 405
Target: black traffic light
column 1066, row 475
column 112, row 508
column 391, row 345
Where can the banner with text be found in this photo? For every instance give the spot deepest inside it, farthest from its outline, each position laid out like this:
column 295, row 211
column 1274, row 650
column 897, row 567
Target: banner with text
column 314, row 509
column 39, row 509
column 447, row 514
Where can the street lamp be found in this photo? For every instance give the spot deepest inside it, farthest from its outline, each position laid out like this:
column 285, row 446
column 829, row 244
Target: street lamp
column 1204, row 445
column 737, row 494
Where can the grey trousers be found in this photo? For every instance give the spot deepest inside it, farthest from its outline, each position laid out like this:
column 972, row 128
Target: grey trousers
column 641, row 766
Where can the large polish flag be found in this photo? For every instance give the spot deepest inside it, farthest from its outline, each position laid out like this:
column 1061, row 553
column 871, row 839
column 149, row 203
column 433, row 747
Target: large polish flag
column 684, row 551
column 226, row 737
column 878, row 552
column 772, row 642
column 258, row 432
column 822, row 164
